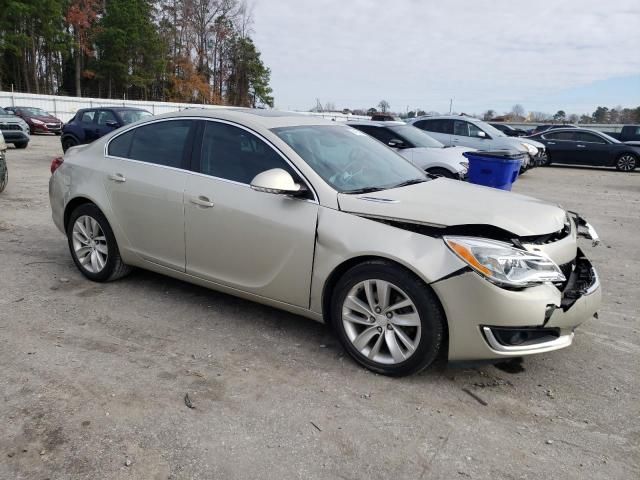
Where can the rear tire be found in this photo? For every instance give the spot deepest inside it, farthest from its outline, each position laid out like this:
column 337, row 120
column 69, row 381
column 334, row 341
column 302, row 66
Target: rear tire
column 93, row 246
column 626, row 162
column 442, row 172
column 408, row 326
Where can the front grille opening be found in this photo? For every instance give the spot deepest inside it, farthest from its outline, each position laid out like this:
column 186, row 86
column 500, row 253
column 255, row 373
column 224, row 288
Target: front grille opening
column 515, row 337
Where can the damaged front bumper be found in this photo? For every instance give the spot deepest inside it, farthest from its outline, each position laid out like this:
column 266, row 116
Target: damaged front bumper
column 488, row 322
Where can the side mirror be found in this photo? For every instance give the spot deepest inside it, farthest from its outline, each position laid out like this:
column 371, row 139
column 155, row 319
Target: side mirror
column 481, row 134
column 276, row 181
column 113, row 124
column 396, row 143
column 10, row 112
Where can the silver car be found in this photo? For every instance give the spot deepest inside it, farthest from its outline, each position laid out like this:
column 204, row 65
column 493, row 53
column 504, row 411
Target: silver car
column 319, row 219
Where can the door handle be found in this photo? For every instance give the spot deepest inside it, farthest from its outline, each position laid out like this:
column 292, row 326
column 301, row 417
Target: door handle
column 117, row 177
column 580, row 146
column 201, row 201
column 551, row 143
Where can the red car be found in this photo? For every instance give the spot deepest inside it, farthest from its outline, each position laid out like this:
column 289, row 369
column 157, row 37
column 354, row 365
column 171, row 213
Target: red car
column 39, row 120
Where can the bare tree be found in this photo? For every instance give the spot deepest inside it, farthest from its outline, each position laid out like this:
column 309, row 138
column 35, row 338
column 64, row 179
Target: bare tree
column 517, row 111
column 384, row 106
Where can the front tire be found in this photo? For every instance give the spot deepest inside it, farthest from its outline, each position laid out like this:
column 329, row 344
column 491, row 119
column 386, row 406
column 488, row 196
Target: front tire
column 387, row 319
column 442, row 172
column 93, row 246
column 626, row 163
column 21, row 145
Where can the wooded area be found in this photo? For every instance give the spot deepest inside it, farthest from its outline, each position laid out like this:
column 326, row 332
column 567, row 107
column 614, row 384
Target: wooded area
column 167, row 50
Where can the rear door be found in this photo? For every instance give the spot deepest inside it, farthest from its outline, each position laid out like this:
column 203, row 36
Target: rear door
column 561, row 146
column 145, row 178
column 591, row 149
column 252, row 241
column 87, row 123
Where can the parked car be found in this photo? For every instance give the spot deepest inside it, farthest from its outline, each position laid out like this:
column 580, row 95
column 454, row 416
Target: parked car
column 4, row 172
column 581, row 146
column 385, row 117
column 14, row 129
column 628, row 134
column 418, row 147
column 39, row 121
column 542, row 128
column 508, row 130
column 312, row 217
column 456, row 130
column 89, row 124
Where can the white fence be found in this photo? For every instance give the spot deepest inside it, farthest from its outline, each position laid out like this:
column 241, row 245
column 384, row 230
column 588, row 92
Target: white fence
column 65, row 107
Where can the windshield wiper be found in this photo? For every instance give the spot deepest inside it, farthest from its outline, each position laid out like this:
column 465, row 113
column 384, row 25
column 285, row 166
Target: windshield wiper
column 409, row 182
column 364, row 190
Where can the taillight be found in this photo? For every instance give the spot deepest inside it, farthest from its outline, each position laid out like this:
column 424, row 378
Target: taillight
column 56, row 163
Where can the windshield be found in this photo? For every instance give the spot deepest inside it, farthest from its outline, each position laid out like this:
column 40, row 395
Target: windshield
column 416, row 136
column 349, row 160
column 492, row 131
column 36, row 112
column 130, row 116
column 3, row 111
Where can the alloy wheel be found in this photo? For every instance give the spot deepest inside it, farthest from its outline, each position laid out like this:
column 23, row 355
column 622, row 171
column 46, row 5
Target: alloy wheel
column 626, row 163
column 381, row 322
column 90, row 244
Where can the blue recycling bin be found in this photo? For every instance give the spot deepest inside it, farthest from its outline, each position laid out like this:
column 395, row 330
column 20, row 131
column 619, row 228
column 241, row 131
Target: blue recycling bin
column 497, row 169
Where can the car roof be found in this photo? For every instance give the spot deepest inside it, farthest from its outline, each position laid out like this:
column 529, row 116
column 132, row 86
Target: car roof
column 570, row 129
column 448, row 117
column 375, row 123
column 252, row 116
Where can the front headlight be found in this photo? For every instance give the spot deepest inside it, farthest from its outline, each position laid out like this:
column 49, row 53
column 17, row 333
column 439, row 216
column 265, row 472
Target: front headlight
column 533, row 151
column 37, row 122
column 24, row 126
column 503, row 264
column 465, row 166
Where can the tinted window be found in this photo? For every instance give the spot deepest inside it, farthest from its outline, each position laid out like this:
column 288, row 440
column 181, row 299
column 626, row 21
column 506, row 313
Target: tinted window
column 160, row 143
column 87, row 116
column 438, row 126
column 588, row 137
column 130, row 116
column 234, row 154
column 379, row 133
column 120, row 146
column 105, row 116
column 559, row 136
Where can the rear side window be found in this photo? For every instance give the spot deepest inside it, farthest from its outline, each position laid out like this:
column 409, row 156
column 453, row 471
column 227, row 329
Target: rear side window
column 120, row 146
column 437, row 126
column 87, row 117
column 160, row 143
column 588, row 137
column 559, row 136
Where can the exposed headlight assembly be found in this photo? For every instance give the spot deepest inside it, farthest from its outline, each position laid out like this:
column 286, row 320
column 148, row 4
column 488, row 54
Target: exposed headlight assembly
column 533, row 151
column 465, row 166
column 503, row 264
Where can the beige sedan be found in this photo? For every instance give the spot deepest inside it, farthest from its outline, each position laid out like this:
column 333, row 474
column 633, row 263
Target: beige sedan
column 319, row 219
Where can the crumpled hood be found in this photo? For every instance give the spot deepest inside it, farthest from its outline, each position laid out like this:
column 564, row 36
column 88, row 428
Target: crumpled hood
column 445, row 202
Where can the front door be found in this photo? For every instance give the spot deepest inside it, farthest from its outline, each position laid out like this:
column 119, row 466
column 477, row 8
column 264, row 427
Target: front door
column 145, row 180
column 260, row 243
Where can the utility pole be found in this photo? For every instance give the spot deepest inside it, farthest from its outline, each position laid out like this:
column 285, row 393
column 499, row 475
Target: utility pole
column 450, row 106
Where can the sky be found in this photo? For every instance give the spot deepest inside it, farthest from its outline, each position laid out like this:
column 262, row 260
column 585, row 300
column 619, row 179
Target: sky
column 546, row 55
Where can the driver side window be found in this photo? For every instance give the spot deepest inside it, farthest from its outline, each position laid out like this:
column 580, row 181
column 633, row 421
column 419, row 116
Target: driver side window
column 232, row 153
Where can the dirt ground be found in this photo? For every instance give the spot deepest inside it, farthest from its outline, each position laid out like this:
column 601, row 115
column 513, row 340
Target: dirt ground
column 93, row 376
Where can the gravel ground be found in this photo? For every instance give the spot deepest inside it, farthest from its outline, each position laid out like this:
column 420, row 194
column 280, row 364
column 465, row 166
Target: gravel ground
column 94, row 375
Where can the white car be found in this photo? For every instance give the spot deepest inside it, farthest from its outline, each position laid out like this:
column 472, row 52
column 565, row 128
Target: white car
column 419, row 148
column 457, row 130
